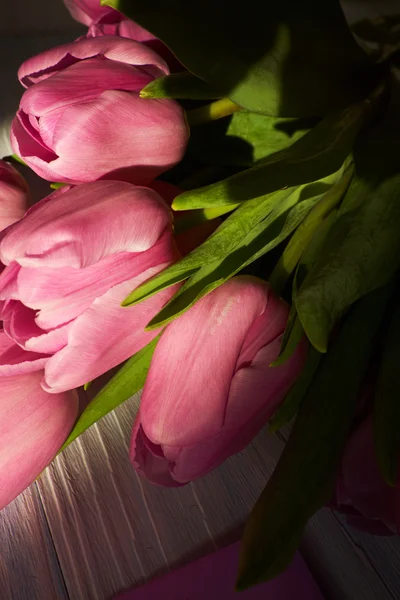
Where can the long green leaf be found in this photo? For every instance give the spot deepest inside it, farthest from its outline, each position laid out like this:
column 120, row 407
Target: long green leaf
column 265, row 236
column 305, row 232
column 361, row 253
column 291, row 404
column 219, row 245
column 292, row 58
column 387, row 404
column 244, row 138
column 180, row 85
column 128, row 380
column 315, row 155
column 303, row 479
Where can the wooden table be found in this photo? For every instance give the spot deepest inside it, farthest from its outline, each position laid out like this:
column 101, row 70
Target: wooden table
column 90, row 527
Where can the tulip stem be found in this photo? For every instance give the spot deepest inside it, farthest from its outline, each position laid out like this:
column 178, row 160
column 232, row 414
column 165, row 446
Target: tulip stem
column 211, row 112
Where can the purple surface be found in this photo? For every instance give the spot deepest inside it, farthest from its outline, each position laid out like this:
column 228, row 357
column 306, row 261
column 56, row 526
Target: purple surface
column 213, row 578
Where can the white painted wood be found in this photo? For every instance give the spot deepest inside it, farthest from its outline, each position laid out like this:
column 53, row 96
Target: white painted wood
column 29, row 568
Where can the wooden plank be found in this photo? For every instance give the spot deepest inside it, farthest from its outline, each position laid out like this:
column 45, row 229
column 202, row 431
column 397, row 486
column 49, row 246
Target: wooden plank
column 113, row 530
column 29, row 567
column 383, row 553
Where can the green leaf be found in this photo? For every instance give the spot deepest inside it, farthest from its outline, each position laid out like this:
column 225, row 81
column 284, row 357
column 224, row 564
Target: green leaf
column 387, row 405
column 304, row 477
column 290, row 208
column 303, row 235
column 315, row 155
column 294, row 330
column 128, row 380
column 245, row 138
column 180, row 85
column 291, row 404
column 361, row 253
column 291, row 58
column 218, row 246
column 291, row 339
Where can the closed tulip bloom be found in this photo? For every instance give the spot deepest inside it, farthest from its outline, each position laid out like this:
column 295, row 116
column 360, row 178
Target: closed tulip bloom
column 210, row 387
column 14, row 195
column 368, row 502
column 82, row 118
column 33, row 423
column 69, row 263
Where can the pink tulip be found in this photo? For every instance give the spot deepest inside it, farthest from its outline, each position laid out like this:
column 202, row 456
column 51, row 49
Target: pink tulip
column 70, row 262
column 82, row 118
column 14, row 195
column 210, row 388
column 33, row 424
column 361, row 493
column 89, row 11
column 129, row 29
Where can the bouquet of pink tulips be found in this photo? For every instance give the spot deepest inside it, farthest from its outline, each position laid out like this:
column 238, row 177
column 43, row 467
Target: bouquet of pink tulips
column 224, row 230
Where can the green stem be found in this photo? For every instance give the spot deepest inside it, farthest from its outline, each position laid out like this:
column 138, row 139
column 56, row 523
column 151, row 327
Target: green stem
column 212, row 112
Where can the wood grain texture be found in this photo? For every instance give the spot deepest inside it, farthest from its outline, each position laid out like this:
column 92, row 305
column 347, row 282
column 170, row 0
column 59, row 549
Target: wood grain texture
column 29, row 568
column 112, row 530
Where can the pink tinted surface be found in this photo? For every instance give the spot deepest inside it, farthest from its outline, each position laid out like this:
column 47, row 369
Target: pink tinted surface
column 213, row 578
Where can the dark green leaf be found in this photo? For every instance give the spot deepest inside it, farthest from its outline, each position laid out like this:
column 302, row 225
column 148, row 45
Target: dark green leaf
column 290, row 209
column 361, row 253
column 303, row 235
column 291, row 58
column 244, row 138
column 128, row 380
column 294, row 332
column 387, row 404
column 294, row 398
column 303, row 479
column 317, row 154
column 180, row 85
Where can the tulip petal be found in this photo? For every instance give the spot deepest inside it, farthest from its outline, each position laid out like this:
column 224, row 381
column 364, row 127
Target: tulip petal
column 33, row 426
column 114, row 48
column 85, row 224
column 60, row 295
column 71, row 86
column 20, row 326
column 86, row 11
column 105, row 335
column 16, row 361
column 197, row 355
column 139, row 140
column 255, row 393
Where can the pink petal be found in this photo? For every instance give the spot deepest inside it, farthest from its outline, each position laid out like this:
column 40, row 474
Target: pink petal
column 114, row 48
column 198, row 352
column 20, row 326
column 27, row 143
column 70, row 86
column 255, row 393
column 85, row 224
column 62, row 295
column 87, row 11
column 33, row 426
column 144, row 139
column 105, row 335
column 16, row 361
